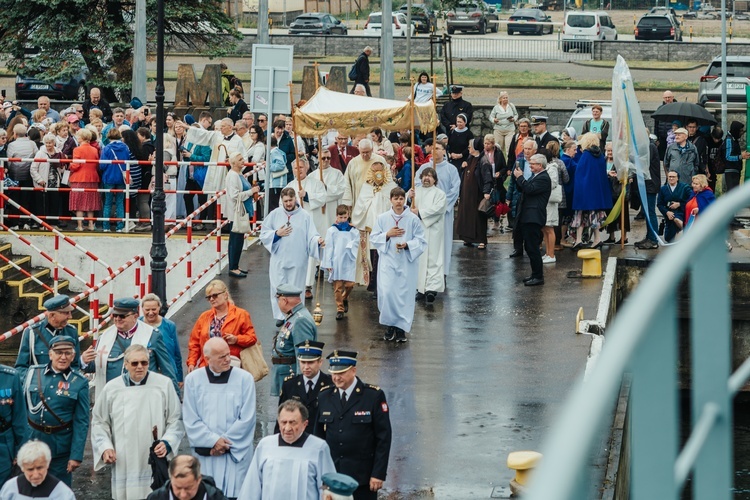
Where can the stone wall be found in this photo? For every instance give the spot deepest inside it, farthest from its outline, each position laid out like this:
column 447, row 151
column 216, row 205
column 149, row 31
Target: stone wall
column 665, row 51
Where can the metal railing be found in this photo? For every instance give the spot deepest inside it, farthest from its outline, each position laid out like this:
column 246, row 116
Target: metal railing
column 643, row 340
column 522, row 49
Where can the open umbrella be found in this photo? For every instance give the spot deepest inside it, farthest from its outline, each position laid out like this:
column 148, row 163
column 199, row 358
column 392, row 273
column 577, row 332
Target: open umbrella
column 159, row 466
column 684, row 111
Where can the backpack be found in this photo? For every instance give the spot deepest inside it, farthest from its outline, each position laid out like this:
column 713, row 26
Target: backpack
column 236, row 84
column 353, row 71
column 720, row 158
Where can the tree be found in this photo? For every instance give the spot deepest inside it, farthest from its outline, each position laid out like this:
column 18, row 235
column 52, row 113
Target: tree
column 63, row 34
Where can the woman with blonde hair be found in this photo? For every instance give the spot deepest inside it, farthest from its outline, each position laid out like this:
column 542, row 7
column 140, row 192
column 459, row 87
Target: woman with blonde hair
column 592, row 195
column 503, row 118
column 224, row 320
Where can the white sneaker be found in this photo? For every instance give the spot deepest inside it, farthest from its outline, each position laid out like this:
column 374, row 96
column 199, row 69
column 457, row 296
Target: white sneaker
column 546, row 259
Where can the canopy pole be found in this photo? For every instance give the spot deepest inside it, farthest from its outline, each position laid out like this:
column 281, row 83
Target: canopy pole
column 622, row 212
column 411, row 122
column 294, row 141
column 320, row 140
column 434, row 103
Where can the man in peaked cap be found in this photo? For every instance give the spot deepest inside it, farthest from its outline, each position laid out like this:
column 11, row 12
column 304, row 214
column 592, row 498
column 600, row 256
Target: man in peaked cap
column 541, row 135
column 306, row 386
column 297, row 327
column 353, row 418
column 57, row 405
column 337, row 486
column 454, row 107
column 35, row 342
column 126, row 330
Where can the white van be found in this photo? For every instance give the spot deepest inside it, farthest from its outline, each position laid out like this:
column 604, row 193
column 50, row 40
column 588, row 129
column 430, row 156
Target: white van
column 586, row 26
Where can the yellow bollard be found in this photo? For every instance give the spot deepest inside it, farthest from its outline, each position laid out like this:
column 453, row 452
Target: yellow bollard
column 635, row 23
column 730, row 29
column 523, row 462
column 592, row 262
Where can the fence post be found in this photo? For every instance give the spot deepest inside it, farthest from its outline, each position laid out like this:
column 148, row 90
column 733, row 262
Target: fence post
column 189, row 265
column 2, row 191
column 56, row 269
column 127, row 197
column 218, row 232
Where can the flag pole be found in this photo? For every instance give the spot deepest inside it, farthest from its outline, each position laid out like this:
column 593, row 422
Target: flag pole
column 434, row 103
column 411, row 121
column 294, row 141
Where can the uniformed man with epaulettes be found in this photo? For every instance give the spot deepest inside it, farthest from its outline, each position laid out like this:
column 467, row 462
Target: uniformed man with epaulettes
column 13, row 429
column 298, row 326
column 34, row 349
column 353, row 419
column 306, row 386
column 57, row 402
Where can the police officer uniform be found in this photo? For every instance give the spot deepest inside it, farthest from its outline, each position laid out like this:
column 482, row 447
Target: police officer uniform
column 34, row 349
column 298, row 326
column 13, row 428
column 455, row 107
column 339, row 483
column 358, row 429
column 306, row 390
column 58, row 411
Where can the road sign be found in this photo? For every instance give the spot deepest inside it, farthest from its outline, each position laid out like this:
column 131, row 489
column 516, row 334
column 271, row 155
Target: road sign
column 271, row 74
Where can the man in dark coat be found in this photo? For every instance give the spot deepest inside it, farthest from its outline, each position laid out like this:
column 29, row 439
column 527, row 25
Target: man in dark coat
column 306, row 386
column 363, row 70
column 456, row 106
column 342, row 153
column 671, row 202
column 535, row 193
column 661, row 128
column 541, row 134
column 286, row 144
column 650, row 242
column 96, row 101
column 353, row 418
column 186, row 482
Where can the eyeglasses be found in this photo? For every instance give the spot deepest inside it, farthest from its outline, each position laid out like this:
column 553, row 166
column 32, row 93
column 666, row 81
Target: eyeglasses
column 66, row 353
column 120, row 316
column 213, row 296
column 139, row 363
column 326, row 158
column 262, row 119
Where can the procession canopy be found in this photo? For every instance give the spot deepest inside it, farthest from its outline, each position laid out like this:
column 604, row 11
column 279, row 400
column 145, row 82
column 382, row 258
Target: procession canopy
column 352, row 113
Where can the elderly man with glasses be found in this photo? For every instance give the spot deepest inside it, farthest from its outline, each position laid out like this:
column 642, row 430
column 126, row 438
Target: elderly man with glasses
column 132, row 412
column 342, row 153
column 128, row 330
column 335, row 184
column 57, row 405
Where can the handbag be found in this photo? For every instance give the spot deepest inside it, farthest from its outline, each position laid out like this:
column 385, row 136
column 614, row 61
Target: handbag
column 252, row 361
column 556, row 195
column 240, row 221
column 276, row 175
column 486, row 207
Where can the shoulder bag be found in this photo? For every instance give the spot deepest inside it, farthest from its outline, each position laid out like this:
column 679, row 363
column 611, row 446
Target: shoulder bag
column 252, row 361
column 241, row 220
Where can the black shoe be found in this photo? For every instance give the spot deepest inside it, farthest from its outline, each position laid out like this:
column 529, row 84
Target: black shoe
column 400, row 335
column 419, row 296
column 610, row 240
column 467, row 244
column 619, row 242
column 640, row 216
column 431, row 297
column 600, row 244
column 647, row 245
column 237, row 274
column 339, row 315
column 390, row 333
column 577, row 247
column 527, row 279
column 346, row 305
column 534, row 282
column 515, row 254
column 279, row 322
column 243, row 271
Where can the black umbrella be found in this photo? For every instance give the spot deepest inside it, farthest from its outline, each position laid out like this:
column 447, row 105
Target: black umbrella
column 684, row 111
column 159, row 466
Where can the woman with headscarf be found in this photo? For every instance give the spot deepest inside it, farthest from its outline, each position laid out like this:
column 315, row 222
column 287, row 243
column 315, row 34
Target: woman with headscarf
column 458, row 142
column 476, row 185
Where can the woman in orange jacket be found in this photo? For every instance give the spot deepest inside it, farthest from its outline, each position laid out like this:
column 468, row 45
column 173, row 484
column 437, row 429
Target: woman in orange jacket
column 85, row 175
column 224, row 319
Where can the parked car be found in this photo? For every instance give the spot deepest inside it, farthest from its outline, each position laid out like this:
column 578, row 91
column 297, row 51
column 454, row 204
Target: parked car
column 526, row 22
column 583, row 113
column 375, row 22
column 422, row 17
column 738, row 77
column 659, row 26
column 316, row 23
column 581, row 28
column 68, row 89
column 472, row 16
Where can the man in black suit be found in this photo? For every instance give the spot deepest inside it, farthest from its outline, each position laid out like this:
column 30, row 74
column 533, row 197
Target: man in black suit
column 306, row 387
column 342, row 153
column 541, row 134
column 353, row 418
column 535, row 194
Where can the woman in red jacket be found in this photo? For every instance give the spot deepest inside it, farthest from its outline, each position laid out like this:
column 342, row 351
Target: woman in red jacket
column 85, row 175
column 225, row 320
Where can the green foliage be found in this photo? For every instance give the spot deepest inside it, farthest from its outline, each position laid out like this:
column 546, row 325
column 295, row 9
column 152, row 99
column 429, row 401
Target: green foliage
column 100, row 33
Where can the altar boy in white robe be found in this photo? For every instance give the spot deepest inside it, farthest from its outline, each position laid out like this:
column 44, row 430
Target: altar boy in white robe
column 289, row 234
column 124, row 415
column 219, row 417
column 450, row 183
column 311, row 195
column 291, row 464
column 398, row 236
column 340, row 258
column 429, row 206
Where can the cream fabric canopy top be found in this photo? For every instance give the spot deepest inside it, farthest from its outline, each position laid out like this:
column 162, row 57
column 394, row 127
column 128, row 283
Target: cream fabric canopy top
column 352, row 113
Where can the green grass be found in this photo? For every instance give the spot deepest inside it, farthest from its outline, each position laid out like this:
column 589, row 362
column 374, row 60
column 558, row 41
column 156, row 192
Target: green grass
column 673, row 65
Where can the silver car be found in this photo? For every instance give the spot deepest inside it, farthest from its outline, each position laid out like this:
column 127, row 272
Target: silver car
column 738, row 77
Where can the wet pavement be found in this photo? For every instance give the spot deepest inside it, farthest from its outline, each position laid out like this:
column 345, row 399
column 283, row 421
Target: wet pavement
column 484, row 373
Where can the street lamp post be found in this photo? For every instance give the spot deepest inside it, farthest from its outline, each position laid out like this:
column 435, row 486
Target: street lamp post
column 158, row 203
